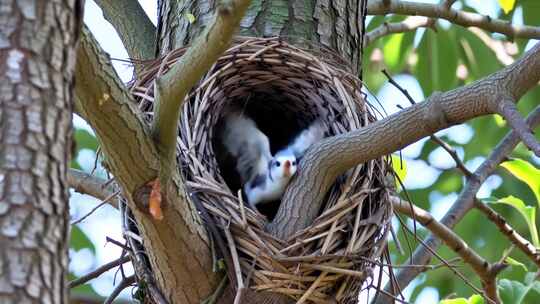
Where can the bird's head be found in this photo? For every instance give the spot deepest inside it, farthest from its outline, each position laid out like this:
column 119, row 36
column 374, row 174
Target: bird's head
column 283, row 166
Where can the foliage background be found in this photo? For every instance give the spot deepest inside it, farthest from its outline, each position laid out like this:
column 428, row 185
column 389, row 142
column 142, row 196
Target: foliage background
column 422, row 61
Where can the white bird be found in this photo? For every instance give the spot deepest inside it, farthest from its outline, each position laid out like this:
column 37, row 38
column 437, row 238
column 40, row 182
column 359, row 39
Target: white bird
column 264, row 177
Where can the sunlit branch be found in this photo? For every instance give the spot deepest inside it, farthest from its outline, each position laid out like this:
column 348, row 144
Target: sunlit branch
column 465, row 200
column 459, row 17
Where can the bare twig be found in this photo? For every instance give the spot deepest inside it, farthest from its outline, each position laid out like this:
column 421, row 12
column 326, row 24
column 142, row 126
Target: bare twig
column 173, row 87
column 451, row 151
column 459, row 17
column 98, row 271
column 105, row 201
column 126, row 282
column 520, row 242
column 507, row 108
column 483, row 268
column 409, row 24
column 89, row 184
column 465, row 201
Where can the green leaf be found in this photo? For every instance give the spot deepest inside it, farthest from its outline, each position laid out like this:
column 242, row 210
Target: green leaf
column 525, row 172
column 79, row 240
column 511, row 291
column 514, row 292
column 474, row 299
column 437, row 61
column 399, row 166
column 392, row 50
column 85, row 140
column 528, row 212
column 507, row 5
column 510, row 261
column 190, row 17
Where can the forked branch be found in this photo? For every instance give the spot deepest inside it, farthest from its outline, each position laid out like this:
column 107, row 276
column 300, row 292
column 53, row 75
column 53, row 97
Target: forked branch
column 174, row 86
column 485, row 270
column 326, row 160
column 464, row 202
column 459, row 17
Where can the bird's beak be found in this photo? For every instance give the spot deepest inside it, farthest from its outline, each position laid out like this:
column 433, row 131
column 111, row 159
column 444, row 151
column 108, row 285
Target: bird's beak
column 287, row 168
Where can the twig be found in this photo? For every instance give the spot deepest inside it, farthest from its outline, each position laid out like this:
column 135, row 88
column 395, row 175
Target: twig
column 451, row 151
column 105, row 201
column 520, row 242
column 465, row 201
column 89, row 184
column 172, row 88
column 126, row 282
column 459, row 17
column 409, row 24
column 507, row 108
column 98, row 271
column 454, row 270
column 449, row 237
column 117, row 243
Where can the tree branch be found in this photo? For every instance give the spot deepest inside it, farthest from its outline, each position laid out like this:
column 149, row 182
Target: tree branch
column 514, row 237
column 464, row 202
column 507, row 108
column 172, row 87
column 98, row 271
column 409, row 24
column 126, row 282
column 178, row 245
column 485, row 270
column 443, row 11
column 85, row 183
column 333, row 156
column 451, row 151
column 137, row 32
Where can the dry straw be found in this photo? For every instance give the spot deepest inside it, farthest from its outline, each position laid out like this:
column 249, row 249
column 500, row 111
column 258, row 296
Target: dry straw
column 282, row 85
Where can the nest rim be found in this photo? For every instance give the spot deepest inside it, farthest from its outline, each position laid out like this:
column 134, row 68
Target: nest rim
column 276, row 264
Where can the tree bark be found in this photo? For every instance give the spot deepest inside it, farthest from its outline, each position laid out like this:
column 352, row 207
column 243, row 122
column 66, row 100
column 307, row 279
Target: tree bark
column 37, row 51
column 333, row 24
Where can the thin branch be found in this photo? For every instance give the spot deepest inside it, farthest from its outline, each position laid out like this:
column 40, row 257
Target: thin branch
column 451, row 151
column 92, row 185
column 137, row 32
column 126, row 282
column 172, row 87
column 507, row 109
column 107, row 200
column 459, row 17
column 409, row 24
column 483, row 268
column 465, row 200
column 512, row 235
column 98, row 271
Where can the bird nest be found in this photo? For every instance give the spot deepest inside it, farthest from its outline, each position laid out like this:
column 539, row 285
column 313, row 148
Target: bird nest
column 283, row 88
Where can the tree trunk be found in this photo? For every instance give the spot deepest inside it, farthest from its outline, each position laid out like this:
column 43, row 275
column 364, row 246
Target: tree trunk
column 333, row 24
column 37, row 51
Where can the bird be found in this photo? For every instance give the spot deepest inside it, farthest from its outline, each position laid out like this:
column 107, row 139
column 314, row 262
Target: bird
column 264, row 177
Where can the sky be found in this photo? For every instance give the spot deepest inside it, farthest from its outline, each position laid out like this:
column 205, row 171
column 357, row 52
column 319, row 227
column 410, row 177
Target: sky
column 106, row 222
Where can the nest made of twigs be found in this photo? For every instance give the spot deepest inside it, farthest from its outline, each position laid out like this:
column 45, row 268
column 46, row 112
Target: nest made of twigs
column 274, row 80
